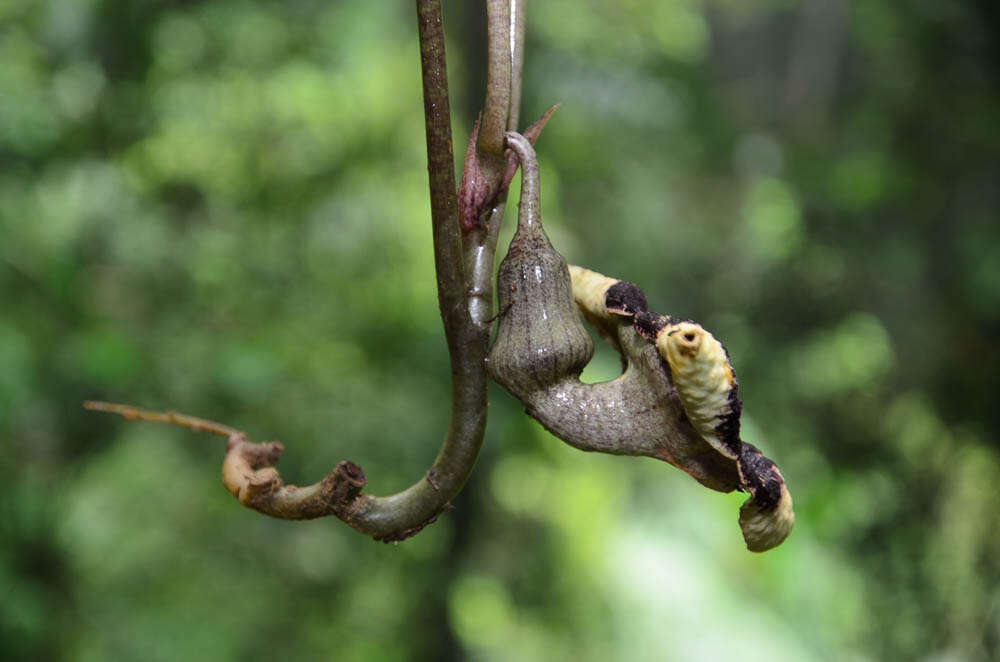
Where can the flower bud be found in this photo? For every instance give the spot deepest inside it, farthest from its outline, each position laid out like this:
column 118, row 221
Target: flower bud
column 541, row 339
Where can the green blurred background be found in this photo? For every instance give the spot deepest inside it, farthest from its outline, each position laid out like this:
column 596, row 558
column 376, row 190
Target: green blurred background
column 220, row 207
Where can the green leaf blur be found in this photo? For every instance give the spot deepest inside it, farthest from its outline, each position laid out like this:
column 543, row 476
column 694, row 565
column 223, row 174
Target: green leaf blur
column 221, row 208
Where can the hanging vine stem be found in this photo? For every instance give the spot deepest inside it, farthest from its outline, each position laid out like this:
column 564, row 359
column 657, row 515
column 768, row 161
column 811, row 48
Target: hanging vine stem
column 463, row 266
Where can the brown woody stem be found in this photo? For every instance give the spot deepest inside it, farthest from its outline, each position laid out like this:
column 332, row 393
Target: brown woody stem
column 248, row 469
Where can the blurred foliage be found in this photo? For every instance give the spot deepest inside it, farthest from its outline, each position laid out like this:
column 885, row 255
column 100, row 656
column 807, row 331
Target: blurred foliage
column 221, row 208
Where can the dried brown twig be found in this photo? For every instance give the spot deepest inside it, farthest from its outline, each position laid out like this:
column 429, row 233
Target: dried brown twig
column 248, row 471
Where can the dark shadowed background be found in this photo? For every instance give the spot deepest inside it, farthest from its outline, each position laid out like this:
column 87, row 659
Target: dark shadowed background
column 221, row 208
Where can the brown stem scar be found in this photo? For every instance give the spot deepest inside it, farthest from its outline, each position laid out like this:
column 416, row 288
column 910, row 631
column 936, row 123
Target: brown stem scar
column 431, row 473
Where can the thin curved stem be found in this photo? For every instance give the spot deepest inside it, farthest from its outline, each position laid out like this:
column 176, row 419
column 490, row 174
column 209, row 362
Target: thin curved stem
column 248, row 469
column 135, row 414
column 530, row 211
